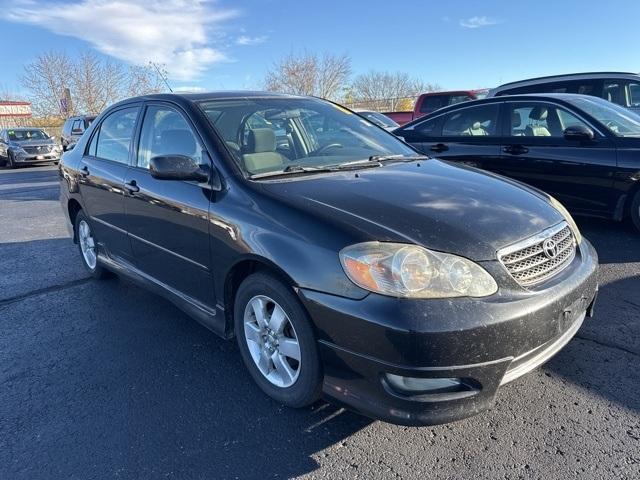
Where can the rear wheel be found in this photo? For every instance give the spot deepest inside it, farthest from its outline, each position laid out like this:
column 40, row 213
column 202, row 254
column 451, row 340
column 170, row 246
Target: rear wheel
column 88, row 246
column 635, row 210
column 276, row 341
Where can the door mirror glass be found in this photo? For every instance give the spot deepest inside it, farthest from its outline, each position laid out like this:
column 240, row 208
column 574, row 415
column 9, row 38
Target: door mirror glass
column 177, row 167
column 579, row 133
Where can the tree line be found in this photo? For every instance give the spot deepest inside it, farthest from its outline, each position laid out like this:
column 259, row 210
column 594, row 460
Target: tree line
column 95, row 82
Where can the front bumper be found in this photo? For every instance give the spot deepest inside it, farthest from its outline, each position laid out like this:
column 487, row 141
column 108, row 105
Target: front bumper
column 23, row 158
column 484, row 342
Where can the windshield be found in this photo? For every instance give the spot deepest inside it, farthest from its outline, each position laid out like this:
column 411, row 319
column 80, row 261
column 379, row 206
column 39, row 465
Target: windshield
column 272, row 134
column 619, row 120
column 22, row 135
column 379, row 119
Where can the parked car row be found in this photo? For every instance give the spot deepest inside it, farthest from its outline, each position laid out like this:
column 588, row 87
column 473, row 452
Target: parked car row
column 581, row 149
column 344, row 262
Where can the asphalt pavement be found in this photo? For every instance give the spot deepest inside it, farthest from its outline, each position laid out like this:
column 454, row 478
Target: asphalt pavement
column 102, row 379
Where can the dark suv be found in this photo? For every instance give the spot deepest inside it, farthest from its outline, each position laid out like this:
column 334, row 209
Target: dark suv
column 73, row 129
column 617, row 87
column 343, row 262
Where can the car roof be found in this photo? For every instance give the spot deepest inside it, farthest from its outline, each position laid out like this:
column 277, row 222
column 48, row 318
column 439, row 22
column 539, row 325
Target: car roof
column 187, row 98
column 569, row 76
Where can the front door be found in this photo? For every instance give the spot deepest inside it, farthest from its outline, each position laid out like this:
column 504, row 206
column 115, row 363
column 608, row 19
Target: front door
column 102, row 172
column 168, row 220
column 579, row 174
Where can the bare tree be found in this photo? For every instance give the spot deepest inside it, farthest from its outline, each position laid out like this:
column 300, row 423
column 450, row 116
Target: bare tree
column 385, row 91
column 45, row 79
column 310, row 74
column 94, row 83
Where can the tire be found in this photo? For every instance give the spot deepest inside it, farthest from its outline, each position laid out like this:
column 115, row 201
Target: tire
column 635, row 210
column 85, row 244
column 10, row 162
column 297, row 389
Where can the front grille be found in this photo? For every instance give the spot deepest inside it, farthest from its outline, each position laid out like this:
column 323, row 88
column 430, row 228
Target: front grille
column 39, row 150
column 539, row 258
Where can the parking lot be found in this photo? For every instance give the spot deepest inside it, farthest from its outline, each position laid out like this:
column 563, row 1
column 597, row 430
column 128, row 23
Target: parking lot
column 106, row 380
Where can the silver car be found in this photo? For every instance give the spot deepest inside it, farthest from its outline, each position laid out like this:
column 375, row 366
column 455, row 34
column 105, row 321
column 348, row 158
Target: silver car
column 22, row 146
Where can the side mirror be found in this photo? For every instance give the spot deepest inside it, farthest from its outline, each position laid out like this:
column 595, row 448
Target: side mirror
column 71, row 146
column 580, row 133
column 177, row 167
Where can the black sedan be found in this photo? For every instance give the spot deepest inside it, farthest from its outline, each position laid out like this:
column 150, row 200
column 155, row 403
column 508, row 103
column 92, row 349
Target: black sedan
column 343, row 262
column 583, row 150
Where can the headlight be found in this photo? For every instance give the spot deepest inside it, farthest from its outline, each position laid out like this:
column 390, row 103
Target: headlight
column 567, row 216
column 401, row 270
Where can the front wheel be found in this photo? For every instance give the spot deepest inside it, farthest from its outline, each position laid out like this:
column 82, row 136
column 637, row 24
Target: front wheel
column 635, row 210
column 88, row 246
column 276, row 341
column 10, row 161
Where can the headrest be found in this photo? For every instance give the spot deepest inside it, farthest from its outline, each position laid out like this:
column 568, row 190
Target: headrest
column 516, row 119
column 476, row 126
column 177, row 141
column 261, row 140
column 538, row 113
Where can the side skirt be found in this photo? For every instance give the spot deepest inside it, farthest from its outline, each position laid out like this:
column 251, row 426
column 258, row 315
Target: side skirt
column 212, row 319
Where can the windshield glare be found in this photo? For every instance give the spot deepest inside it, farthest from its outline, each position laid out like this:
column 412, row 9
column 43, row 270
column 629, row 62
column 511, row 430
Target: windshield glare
column 23, row 135
column 618, row 120
column 379, row 119
column 270, row 134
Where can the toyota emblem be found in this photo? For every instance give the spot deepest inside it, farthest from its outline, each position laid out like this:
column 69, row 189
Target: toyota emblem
column 550, row 248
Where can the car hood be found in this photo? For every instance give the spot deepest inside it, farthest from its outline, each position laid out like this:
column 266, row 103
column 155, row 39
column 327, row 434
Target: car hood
column 438, row 205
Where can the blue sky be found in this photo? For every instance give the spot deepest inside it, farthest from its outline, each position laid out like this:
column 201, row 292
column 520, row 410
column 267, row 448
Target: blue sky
column 230, row 44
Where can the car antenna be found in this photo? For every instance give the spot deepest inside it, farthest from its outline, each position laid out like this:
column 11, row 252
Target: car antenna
column 162, row 76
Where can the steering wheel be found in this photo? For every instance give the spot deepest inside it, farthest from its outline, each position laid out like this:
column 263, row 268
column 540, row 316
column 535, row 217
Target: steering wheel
column 324, row 148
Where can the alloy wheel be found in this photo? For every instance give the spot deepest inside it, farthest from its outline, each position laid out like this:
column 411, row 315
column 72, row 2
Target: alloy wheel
column 87, row 244
column 272, row 341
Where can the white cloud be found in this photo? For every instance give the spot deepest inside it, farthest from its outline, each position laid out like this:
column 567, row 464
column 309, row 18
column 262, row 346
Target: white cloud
column 477, row 22
column 247, row 40
column 175, row 33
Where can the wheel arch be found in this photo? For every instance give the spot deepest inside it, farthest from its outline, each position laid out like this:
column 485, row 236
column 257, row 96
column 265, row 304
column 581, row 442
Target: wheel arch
column 73, row 207
column 235, row 276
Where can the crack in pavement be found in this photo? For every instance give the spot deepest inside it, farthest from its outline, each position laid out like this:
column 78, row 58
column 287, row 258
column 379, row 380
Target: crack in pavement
column 609, row 345
column 41, row 291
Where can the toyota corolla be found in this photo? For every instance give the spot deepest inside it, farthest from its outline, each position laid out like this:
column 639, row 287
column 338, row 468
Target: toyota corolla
column 343, row 262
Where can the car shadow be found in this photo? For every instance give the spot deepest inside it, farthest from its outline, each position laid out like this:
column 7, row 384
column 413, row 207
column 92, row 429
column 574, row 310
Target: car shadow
column 615, row 242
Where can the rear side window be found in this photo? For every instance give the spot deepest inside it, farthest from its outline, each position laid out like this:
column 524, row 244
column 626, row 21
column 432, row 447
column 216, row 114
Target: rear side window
column 115, row 134
column 434, row 102
column 478, row 121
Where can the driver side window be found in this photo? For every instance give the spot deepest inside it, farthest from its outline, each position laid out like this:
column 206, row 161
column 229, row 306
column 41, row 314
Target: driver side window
column 166, row 132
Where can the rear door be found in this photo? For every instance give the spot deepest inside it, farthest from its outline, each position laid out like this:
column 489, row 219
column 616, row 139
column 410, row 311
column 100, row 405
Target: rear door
column 579, row 174
column 168, row 220
column 103, row 169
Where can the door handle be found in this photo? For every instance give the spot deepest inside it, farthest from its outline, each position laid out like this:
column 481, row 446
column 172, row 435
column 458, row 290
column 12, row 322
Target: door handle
column 439, row 147
column 515, row 149
column 132, row 187
column 84, row 171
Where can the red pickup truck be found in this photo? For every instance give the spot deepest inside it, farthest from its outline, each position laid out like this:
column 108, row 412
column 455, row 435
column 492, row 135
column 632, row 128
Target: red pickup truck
column 430, row 102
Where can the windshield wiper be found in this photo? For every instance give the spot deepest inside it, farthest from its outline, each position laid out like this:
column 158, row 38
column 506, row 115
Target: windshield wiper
column 397, row 158
column 291, row 170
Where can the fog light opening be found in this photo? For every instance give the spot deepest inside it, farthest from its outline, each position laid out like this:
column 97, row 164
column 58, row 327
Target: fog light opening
column 411, row 386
